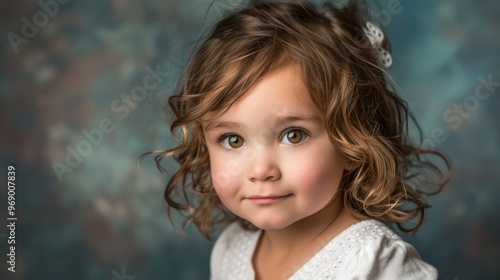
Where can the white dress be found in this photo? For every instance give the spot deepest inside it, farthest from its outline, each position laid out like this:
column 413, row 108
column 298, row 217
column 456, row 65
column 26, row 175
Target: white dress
column 365, row 250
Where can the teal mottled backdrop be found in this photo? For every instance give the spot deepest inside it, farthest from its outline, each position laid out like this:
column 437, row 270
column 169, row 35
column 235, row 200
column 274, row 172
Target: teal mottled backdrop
column 82, row 87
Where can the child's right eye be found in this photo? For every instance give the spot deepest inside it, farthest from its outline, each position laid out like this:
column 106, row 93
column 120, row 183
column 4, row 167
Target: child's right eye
column 231, row 141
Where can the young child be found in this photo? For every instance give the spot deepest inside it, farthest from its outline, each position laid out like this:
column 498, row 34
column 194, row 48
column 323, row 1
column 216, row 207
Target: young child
column 292, row 141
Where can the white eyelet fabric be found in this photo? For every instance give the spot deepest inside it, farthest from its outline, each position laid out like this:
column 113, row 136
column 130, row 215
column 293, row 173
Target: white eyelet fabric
column 365, row 250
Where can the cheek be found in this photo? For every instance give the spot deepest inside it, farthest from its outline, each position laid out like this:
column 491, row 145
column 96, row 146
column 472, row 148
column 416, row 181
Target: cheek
column 316, row 184
column 224, row 179
column 220, row 180
column 317, row 178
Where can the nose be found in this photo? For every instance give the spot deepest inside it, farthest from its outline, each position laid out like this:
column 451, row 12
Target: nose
column 263, row 166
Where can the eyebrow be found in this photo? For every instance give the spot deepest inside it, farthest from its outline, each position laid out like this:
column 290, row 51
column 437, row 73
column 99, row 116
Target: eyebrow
column 275, row 120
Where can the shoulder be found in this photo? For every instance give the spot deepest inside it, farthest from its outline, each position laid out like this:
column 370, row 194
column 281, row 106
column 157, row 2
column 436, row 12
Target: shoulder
column 376, row 252
column 231, row 249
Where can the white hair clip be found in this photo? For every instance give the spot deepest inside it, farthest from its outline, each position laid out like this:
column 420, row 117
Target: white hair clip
column 376, row 37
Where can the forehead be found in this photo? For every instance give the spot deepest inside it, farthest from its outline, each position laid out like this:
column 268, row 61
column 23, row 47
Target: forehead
column 280, row 94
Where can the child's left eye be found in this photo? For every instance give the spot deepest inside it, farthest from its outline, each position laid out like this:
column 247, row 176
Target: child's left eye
column 294, row 136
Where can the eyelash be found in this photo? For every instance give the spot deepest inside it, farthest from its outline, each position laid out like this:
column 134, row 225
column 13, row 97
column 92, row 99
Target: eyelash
column 222, row 136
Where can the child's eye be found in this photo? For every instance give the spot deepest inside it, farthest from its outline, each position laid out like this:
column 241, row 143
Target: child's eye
column 294, row 136
column 231, row 141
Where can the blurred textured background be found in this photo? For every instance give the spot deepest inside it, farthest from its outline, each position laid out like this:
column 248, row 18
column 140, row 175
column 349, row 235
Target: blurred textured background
column 82, row 86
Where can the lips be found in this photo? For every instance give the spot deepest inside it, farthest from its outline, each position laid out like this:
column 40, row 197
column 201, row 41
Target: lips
column 268, row 199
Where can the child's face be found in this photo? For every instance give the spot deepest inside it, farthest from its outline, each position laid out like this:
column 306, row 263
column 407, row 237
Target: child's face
column 276, row 165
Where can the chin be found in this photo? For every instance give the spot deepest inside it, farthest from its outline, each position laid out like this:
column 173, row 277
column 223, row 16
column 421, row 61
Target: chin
column 265, row 224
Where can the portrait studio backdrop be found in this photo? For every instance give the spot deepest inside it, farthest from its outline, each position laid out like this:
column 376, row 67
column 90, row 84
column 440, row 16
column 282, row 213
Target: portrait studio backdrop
column 82, row 88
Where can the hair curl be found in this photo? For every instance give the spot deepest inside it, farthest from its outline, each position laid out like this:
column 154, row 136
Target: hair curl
column 365, row 120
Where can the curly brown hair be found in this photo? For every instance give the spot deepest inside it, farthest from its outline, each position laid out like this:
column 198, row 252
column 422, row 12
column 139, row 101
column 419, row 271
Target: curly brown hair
column 365, row 119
